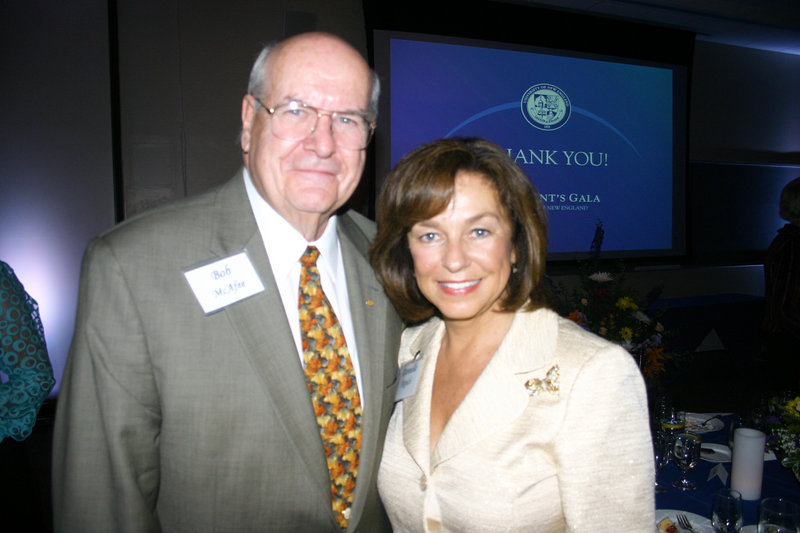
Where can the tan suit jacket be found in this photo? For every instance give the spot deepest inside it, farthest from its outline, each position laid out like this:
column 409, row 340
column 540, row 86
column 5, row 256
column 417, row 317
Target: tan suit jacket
column 578, row 459
column 177, row 421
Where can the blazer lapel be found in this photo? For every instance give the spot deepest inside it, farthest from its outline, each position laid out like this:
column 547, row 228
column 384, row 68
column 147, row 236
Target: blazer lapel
column 264, row 332
column 417, row 408
column 499, row 395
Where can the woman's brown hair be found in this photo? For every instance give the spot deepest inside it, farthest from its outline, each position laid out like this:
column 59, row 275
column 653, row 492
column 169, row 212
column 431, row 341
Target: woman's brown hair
column 421, row 186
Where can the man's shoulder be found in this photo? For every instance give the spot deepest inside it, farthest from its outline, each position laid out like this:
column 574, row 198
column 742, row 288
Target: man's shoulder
column 355, row 220
column 357, row 228
column 189, row 213
column 180, row 233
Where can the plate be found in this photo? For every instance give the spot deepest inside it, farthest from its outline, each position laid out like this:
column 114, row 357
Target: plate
column 699, row 523
column 715, row 453
column 694, row 423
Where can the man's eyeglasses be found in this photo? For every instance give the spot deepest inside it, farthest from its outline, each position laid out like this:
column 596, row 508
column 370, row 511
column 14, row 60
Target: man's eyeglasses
column 295, row 120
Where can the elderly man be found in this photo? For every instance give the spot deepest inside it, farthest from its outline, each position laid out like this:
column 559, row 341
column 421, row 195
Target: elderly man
column 201, row 392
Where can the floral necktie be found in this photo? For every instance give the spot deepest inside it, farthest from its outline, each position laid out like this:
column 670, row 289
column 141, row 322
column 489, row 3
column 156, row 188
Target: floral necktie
column 332, row 385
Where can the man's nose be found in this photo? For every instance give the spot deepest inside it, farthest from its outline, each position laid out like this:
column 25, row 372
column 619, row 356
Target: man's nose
column 321, row 139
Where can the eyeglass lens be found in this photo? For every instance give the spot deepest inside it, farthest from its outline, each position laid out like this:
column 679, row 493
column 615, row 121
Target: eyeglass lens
column 295, row 120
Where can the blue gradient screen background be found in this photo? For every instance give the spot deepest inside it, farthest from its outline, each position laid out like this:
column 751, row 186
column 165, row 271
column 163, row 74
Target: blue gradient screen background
column 613, row 159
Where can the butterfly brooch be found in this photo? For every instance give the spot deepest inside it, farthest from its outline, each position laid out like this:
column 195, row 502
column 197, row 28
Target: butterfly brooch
column 548, row 384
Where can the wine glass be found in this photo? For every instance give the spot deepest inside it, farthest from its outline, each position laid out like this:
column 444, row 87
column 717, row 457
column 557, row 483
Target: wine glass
column 726, row 512
column 662, row 448
column 673, row 421
column 686, row 452
column 658, row 408
column 778, row 515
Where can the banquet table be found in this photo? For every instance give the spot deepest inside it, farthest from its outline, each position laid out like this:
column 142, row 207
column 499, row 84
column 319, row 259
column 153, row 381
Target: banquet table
column 778, row 481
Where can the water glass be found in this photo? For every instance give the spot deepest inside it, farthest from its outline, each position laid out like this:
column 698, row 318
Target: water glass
column 778, row 515
column 686, row 452
column 726, row 512
column 662, row 447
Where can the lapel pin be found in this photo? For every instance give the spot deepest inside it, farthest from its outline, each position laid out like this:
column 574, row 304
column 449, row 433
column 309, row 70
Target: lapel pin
column 369, row 303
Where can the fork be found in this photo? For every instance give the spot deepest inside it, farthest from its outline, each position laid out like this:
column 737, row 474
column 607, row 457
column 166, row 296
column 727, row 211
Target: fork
column 684, row 522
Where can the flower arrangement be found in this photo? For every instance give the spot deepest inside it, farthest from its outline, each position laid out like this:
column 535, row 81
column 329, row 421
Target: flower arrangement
column 605, row 304
column 783, row 425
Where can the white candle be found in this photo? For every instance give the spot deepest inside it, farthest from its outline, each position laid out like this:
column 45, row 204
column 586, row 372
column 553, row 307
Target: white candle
column 748, row 462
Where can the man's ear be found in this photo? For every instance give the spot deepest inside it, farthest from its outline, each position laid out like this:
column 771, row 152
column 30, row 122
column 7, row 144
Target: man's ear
column 248, row 117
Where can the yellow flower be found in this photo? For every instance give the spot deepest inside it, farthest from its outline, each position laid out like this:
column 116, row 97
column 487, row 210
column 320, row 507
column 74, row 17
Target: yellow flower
column 793, row 407
column 584, row 301
column 626, row 333
column 626, row 302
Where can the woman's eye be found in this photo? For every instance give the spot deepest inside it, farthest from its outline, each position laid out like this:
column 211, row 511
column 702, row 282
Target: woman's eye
column 428, row 237
column 480, row 232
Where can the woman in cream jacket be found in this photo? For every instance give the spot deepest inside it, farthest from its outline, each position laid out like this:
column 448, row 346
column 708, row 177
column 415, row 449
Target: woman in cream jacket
column 508, row 417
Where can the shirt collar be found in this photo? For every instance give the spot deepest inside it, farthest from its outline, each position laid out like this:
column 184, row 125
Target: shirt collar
column 284, row 244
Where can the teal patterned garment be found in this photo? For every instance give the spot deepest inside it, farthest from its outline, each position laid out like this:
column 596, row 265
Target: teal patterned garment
column 25, row 370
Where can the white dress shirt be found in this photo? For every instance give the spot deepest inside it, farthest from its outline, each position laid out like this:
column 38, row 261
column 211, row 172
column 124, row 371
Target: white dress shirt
column 285, row 246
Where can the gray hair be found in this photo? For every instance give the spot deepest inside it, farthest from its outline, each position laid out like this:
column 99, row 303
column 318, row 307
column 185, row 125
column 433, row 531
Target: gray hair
column 258, row 80
column 790, row 202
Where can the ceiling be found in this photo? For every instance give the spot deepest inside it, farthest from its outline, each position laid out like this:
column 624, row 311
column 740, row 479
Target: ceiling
column 772, row 25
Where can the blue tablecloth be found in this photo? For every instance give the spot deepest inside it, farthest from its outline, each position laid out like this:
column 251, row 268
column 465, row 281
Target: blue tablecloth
column 777, row 481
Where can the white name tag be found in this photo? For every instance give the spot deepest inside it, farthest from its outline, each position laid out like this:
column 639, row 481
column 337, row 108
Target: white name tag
column 224, row 282
column 409, row 375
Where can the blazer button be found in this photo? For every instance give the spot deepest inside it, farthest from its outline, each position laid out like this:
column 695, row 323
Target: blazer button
column 423, row 482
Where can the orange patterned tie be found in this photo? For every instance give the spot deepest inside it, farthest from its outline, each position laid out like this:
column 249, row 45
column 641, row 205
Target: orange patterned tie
column 332, row 385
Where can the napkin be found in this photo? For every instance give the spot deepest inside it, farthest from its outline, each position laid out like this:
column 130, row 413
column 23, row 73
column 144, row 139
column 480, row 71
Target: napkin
column 720, row 472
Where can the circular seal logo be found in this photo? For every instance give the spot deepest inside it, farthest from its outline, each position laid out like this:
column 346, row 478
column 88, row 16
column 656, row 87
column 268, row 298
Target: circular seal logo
column 546, row 107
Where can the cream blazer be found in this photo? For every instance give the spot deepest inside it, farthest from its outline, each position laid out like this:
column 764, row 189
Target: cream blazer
column 526, row 450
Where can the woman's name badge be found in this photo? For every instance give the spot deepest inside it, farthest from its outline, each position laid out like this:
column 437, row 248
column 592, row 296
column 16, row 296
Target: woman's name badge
column 223, row 282
column 409, row 374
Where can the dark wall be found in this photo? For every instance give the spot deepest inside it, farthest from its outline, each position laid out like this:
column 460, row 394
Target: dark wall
column 56, row 177
column 744, row 106
column 744, row 133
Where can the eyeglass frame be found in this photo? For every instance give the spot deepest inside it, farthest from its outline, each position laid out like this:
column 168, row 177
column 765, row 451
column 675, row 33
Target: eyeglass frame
column 318, row 112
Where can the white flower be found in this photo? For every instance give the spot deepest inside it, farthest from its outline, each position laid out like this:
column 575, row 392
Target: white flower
column 627, row 344
column 641, row 317
column 601, row 277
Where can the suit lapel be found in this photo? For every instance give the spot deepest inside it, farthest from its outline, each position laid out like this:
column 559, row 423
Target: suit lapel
column 369, row 309
column 264, row 332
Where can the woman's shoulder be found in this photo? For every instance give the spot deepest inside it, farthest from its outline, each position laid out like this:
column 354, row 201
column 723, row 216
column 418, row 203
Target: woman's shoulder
column 420, row 338
column 571, row 344
column 545, row 322
column 7, row 274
